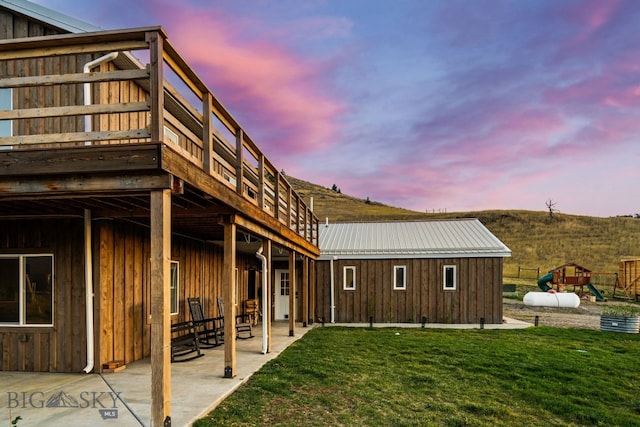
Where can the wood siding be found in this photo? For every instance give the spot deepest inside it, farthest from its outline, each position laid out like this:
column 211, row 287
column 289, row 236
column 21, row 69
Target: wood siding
column 478, row 294
column 124, row 293
column 62, row 347
column 121, row 286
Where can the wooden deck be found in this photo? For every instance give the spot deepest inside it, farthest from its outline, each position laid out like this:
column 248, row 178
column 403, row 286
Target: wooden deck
column 146, row 126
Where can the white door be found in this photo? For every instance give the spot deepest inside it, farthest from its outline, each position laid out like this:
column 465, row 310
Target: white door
column 282, row 295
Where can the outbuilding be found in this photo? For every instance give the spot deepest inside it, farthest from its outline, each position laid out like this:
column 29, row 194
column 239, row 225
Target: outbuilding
column 440, row 271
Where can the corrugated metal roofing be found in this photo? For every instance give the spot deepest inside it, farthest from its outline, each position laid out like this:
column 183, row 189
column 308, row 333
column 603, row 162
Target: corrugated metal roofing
column 49, row 16
column 414, row 239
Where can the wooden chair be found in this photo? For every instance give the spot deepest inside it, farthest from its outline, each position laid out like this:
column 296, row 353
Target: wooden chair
column 210, row 331
column 243, row 329
column 184, row 342
column 251, row 310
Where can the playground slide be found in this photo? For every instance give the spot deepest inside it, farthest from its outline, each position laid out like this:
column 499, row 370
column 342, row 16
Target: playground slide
column 596, row 293
column 542, row 282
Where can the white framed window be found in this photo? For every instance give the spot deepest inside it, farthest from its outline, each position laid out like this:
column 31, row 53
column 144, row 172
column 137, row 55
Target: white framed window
column 400, row 277
column 6, row 103
column 349, row 278
column 175, row 287
column 170, row 136
column 449, row 281
column 26, row 290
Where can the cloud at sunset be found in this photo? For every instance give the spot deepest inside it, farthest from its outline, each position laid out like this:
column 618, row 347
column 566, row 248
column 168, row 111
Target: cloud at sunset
column 455, row 104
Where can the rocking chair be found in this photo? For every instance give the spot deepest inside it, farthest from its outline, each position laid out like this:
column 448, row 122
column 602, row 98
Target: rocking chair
column 209, row 331
column 242, row 328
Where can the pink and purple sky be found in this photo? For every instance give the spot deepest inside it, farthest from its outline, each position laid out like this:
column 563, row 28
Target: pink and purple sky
column 442, row 104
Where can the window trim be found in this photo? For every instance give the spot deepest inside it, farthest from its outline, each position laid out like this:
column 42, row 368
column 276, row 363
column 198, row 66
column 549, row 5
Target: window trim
column 170, row 136
column 352, row 269
column 403, row 285
column 444, row 278
column 22, row 299
column 174, row 288
column 8, row 108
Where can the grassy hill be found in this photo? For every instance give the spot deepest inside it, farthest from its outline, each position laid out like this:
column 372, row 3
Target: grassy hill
column 536, row 240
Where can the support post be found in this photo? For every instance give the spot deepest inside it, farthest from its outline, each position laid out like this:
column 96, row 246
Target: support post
column 305, row 291
column 312, row 292
column 229, row 299
column 292, row 291
column 160, row 306
column 267, row 253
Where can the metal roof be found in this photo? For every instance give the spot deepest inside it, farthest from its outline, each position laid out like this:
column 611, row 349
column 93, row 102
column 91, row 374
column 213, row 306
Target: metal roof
column 466, row 238
column 48, row 16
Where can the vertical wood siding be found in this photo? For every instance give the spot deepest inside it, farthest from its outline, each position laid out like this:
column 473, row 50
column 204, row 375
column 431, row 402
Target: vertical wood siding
column 478, row 293
column 124, row 311
column 121, row 285
column 60, row 348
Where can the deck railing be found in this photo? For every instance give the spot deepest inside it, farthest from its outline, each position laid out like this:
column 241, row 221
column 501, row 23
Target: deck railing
column 44, row 102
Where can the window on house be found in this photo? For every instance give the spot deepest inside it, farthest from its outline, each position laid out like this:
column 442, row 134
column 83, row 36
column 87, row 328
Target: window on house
column 6, row 103
column 26, row 290
column 175, row 287
column 284, row 283
column 349, row 278
column 449, row 277
column 399, row 277
column 170, row 136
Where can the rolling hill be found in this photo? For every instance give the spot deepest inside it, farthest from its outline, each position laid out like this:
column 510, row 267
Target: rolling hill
column 536, row 240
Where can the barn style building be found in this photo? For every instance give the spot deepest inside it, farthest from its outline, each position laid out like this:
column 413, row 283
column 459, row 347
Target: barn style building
column 447, row 271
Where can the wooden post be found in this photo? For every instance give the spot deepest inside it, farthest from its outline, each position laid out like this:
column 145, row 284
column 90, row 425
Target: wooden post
column 160, row 307
column 207, row 129
column 229, row 297
column 305, row 291
column 267, row 253
column 312, row 292
column 239, row 160
column 292, row 292
column 160, row 220
column 261, row 181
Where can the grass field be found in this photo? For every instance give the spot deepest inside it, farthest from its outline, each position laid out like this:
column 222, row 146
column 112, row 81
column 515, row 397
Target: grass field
column 406, row 377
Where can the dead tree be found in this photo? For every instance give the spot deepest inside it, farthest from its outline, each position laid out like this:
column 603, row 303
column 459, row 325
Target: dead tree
column 551, row 205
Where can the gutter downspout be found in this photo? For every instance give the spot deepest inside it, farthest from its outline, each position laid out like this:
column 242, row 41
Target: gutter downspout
column 87, row 86
column 88, row 253
column 265, row 271
column 88, row 279
column 333, row 303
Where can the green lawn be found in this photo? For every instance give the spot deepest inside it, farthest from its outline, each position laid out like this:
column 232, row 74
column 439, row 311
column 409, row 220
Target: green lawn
column 381, row 377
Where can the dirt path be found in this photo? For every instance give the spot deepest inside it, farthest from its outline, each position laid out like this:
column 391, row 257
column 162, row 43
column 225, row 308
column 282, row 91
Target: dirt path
column 587, row 316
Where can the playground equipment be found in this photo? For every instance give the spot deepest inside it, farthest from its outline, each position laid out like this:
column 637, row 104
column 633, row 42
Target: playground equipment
column 574, row 275
column 551, row 299
column 543, row 282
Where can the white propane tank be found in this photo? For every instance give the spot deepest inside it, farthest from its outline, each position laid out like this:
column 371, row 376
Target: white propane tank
column 552, row 299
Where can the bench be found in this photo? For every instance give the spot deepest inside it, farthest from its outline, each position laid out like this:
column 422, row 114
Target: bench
column 184, row 342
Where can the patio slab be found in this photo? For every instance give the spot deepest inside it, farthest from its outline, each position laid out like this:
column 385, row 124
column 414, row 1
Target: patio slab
column 124, row 398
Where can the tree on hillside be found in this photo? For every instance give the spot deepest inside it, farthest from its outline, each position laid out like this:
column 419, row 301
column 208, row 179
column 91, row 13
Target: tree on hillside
column 551, row 205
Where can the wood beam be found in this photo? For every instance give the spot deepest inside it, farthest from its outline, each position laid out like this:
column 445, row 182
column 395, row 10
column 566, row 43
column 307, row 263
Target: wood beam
column 305, row 291
column 81, row 186
column 229, row 298
column 312, row 292
column 267, row 252
column 160, row 306
column 207, row 132
column 98, row 158
column 292, row 292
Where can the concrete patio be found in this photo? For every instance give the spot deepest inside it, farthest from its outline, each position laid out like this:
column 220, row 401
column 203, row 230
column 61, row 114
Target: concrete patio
column 124, row 398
